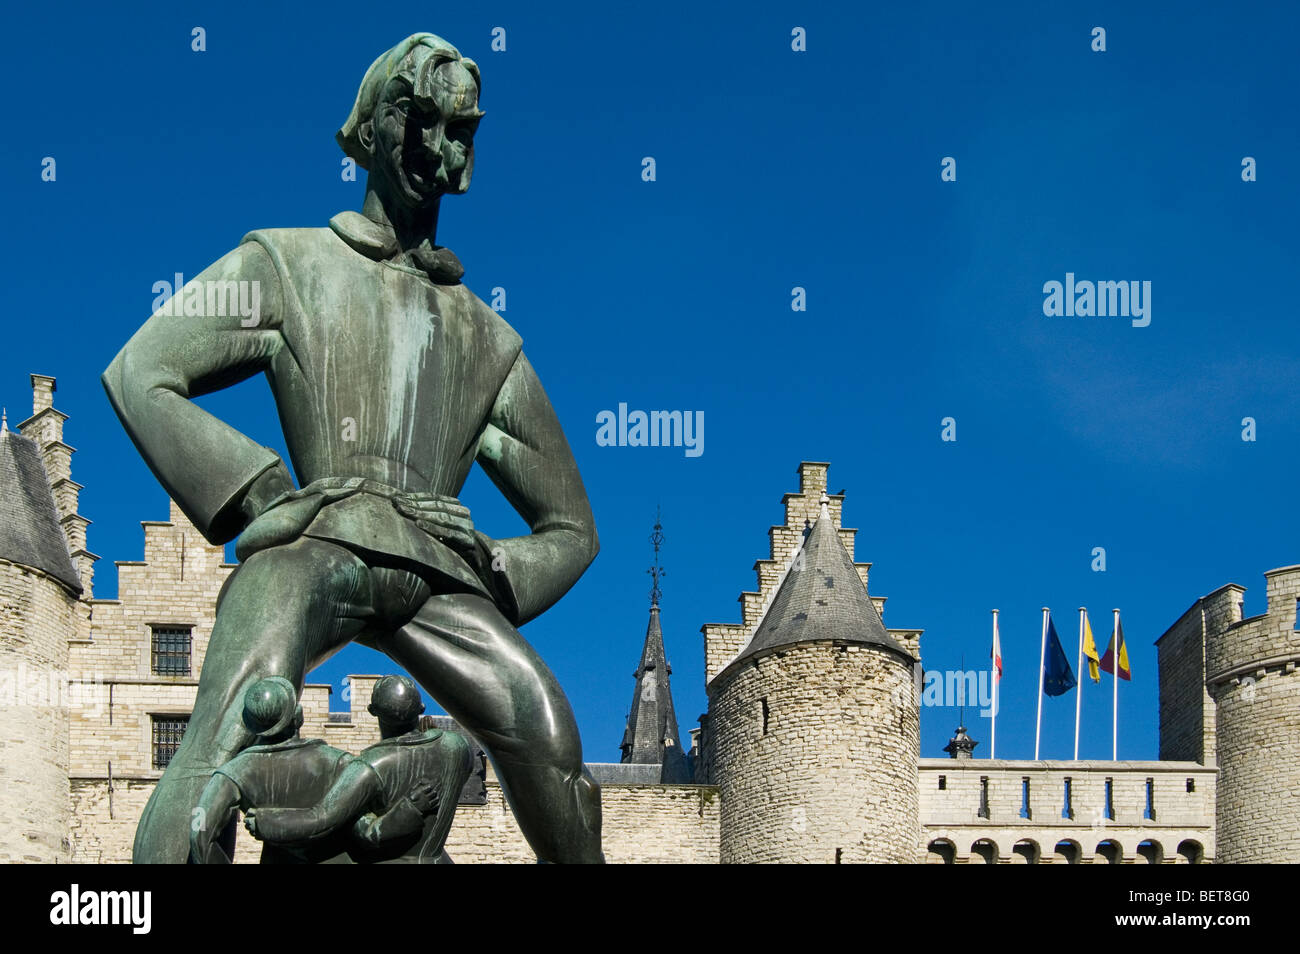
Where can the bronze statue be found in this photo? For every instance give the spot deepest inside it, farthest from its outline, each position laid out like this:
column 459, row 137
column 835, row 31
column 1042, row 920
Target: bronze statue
column 396, row 799
column 281, row 769
column 391, row 379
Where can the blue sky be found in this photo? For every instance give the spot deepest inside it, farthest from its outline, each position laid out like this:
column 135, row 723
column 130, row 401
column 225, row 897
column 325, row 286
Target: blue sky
column 775, row 169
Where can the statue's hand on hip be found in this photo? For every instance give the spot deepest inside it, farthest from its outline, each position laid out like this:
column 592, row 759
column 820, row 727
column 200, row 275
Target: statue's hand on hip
column 439, row 516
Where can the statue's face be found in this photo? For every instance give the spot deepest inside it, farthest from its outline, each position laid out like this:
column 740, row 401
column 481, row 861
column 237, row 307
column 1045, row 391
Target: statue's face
column 423, row 144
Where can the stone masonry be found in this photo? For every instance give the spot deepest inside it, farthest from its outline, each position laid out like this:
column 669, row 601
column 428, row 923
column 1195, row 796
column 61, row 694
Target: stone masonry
column 1251, row 673
column 988, row 811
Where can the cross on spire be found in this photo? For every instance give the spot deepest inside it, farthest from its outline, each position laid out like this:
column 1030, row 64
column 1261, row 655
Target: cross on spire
column 656, row 572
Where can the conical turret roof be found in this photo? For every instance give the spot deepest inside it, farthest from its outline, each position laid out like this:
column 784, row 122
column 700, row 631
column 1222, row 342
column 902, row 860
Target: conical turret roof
column 821, row 598
column 30, row 533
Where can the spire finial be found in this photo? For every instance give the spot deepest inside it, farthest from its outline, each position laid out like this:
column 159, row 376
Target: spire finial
column 656, row 572
column 4, row 420
column 826, row 503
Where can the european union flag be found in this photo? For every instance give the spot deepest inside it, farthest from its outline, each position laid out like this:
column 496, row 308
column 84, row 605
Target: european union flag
column 1058, row 677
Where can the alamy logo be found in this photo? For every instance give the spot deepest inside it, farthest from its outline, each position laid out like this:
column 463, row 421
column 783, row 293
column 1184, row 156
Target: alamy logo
column 1085, row 299
column 651, row 429
column 212, row 299
column 75, row 907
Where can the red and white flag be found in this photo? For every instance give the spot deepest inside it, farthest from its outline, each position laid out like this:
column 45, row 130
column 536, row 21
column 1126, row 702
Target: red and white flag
column 997, row 652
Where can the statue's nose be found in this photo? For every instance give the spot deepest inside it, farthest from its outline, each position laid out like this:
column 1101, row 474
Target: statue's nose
column 432, row 137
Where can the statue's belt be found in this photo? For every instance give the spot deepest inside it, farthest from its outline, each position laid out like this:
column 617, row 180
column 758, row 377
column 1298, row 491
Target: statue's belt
column 364, row 516
column 336, row 488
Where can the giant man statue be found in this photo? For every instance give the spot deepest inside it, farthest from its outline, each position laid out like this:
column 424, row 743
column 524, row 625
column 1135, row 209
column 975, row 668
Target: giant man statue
column 391, row 379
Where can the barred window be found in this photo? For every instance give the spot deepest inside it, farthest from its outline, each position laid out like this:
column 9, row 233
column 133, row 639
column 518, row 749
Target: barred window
column 171, row 650
column 168, row 730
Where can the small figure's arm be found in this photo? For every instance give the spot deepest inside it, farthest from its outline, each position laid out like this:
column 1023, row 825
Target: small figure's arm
column 356, row 788
column 217, row 805
column 405, row 818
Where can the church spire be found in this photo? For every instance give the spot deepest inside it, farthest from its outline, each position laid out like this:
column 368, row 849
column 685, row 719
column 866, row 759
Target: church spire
column 651, row 736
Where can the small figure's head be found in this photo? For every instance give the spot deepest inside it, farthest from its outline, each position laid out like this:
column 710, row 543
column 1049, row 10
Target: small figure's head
column 271, row 710
column 414, row 121
column 396, row 703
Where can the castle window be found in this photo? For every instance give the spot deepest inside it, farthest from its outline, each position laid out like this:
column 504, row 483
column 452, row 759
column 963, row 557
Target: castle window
column 1024, row 797
column 1191, row 784
column 1110, row 799
column 168, row 730
column 1067, row 810
column 984, row 796
column 1297, row 615
column 943, row 782
column 171, row 650
column 765, row 712
column 1149, row 811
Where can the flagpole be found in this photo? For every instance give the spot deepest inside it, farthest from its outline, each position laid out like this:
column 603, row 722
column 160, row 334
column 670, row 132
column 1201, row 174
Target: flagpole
column 993, row 716
column 1114, row 699
column 1042, row 661
column 1078, row 686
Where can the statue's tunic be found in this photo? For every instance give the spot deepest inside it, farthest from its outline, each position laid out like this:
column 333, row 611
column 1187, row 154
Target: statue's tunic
column 387, row 383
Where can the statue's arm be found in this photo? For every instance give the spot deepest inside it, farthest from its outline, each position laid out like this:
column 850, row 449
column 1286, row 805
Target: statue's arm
column 352, row 793
column 406, row 817
column 524, row 452
column 217, row 806
column 220, row 478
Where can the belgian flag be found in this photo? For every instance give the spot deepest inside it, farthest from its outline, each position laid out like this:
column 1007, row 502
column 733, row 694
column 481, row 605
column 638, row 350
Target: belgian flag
column 1107, row 663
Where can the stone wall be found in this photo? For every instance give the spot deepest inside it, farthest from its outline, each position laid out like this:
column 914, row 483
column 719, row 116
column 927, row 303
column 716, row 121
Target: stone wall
column 974, row 811
column 649, row 824
column 1186, row 709
column 1256, row 689
column 176, row 585
column 37, row 616
column 641, row 824
column 815, row 751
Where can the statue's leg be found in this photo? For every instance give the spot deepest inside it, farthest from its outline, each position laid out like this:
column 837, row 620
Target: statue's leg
column 284, row 610
column 478, row 667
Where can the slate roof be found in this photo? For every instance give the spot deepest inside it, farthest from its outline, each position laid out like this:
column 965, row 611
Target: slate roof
column 651, row 736
column 30, row 533
column 821, row 598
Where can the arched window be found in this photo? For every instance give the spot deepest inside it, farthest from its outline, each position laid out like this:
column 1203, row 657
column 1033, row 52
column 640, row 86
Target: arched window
column 984, row 851
column 1190, row 852
column 941, row 852
column 1152, row 852
column 1109, row 853
column 1068, row 852
column 1025, row 852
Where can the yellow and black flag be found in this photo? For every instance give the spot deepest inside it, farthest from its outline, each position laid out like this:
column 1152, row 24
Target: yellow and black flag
column 1090, row 650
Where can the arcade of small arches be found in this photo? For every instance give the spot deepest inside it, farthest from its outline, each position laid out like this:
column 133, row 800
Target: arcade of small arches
column 1068, row 851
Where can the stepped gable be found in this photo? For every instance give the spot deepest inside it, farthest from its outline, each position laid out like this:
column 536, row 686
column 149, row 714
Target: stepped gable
column 822, row 598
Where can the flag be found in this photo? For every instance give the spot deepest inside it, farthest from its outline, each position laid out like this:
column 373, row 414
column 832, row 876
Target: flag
column 997, row 652
column 1058, row 677
column 1108, row 660
column 1090, row 650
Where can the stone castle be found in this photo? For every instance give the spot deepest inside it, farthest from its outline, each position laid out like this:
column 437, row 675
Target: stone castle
column 809, row 751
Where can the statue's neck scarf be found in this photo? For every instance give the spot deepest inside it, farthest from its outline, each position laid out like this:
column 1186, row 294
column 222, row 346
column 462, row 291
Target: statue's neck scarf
column 378, row 242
